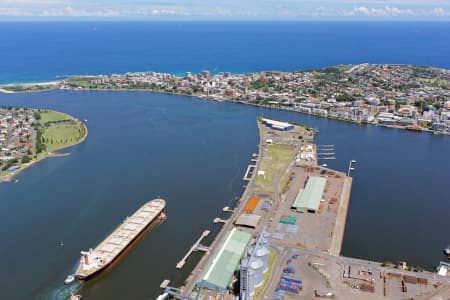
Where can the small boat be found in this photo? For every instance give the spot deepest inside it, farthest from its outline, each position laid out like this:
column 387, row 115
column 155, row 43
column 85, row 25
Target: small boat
column 447, row 251
column 75, row 297
column 69, row 279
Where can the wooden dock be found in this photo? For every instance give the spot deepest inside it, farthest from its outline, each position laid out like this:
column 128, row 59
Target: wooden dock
column 181, row 263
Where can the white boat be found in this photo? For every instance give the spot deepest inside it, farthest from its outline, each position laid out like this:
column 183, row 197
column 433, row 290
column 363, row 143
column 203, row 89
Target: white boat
column 69, row 279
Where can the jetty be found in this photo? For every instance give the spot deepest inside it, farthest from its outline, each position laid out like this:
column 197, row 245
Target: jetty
column 219, row 220
column 194, row 248
column 249, row 172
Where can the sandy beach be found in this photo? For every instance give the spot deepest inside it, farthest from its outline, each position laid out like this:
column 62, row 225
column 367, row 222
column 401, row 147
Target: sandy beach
column 5, row 91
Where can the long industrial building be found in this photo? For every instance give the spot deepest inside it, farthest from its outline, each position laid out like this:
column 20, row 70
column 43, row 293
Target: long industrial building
column 308, row 199
column 283, row 126
column 221, row 266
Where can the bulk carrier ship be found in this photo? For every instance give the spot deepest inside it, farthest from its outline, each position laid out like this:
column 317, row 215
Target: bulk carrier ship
column 120, row 240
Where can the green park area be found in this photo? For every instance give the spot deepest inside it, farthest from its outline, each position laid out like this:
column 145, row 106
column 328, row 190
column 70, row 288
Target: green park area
column 83, row 82
column 57, row 130
column 52, row 116
column 60, row 136
column 275, row 160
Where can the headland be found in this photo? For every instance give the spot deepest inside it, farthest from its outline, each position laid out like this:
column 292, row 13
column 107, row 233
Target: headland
column 31, row 135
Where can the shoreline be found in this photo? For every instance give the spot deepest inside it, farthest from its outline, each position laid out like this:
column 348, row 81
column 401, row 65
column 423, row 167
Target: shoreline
column 11, row 177
column 203, row 97
column 4, row 90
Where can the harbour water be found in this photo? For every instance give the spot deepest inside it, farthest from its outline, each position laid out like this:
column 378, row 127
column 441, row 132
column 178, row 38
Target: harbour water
column 193, row 153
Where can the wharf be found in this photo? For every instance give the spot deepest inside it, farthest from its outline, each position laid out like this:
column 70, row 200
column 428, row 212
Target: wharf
column 219, row 220
column 307, row 238
column 249, row 173
column 339, row 226
column 194, row 248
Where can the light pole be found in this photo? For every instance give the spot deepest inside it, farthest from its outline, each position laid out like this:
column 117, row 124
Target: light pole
column 350, row 167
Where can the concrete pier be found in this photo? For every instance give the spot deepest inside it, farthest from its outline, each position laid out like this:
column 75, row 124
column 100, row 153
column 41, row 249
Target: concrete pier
column 339, row 227
column 193, row 248
column 219, row 220
column 227, row 209
column 250, row 170
column 164, row 284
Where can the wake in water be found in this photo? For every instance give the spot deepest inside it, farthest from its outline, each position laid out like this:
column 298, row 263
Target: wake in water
column 64, row 292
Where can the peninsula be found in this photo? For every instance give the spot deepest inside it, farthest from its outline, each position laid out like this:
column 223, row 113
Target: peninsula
column 30, row 135
column 400, row 96
column 283, row 238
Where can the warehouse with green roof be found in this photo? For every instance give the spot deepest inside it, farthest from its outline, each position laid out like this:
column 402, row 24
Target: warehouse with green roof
column 308, row 199
column 221, row 266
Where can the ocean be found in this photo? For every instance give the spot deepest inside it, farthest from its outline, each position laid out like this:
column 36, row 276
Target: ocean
column 46, row 51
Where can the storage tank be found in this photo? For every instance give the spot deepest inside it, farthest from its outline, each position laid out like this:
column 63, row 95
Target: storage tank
column 245, row 262
column 262, row 252
column 264, row 241
column 251, row 284
column 255, row 272
column 257, row 265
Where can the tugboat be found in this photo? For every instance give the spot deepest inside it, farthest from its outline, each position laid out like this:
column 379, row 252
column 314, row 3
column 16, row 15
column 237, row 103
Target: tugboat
column 69, row 279
column 447, row 251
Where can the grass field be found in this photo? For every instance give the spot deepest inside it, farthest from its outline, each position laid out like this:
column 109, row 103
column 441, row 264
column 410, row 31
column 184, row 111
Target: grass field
column 84, row 82
column 60, row 136
column 29, row 88
column 277, row 157
column 50, row 115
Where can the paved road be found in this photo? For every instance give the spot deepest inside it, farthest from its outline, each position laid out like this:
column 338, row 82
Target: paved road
column 341, row 218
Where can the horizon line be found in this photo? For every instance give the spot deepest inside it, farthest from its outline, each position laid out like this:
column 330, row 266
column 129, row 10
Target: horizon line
column 216, row 20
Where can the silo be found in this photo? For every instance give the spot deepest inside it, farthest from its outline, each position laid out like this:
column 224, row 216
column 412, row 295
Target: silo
column 262, row 252
column 257, row 265
column 245, row 263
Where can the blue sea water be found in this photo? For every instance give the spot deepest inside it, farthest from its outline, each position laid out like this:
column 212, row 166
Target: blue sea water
column 37, row 51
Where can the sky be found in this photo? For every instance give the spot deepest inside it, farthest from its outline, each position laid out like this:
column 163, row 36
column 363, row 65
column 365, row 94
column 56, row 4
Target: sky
column 227, row 9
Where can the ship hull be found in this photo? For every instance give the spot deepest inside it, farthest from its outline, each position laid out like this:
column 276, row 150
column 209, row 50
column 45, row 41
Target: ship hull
column 158, row 219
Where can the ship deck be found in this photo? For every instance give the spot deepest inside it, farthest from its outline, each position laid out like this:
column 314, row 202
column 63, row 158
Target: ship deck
column 124, row 234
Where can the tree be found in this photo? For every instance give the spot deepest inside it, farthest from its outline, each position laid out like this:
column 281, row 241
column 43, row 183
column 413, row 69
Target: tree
column 344, row 97
column 37, row 115
column 26, row 159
